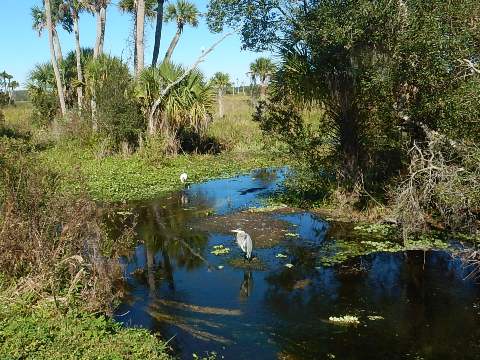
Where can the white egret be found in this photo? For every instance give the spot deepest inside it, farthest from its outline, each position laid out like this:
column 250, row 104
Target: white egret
column 244, row 242
column 183, row 178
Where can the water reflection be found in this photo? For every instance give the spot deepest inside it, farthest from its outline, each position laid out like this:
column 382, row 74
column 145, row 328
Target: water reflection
column 247, row 285
column 179, row 288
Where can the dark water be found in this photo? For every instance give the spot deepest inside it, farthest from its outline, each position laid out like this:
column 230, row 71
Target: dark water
column 175, row 287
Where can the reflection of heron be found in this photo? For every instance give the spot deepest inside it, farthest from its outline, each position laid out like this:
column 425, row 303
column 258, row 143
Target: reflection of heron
column 184, row 199
column 247, row 285
column 244, row 242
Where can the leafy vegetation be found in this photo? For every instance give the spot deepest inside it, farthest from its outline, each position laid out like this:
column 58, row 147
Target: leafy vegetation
column 379, row 75
column 42, row 332
column 375, row 103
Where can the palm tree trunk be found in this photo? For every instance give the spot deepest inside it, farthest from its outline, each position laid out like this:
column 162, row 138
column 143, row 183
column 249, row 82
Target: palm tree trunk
column 61, row 96
column 103, row 21
column 220, row 103
column 263, row 90
column 158, row 32
column 135, row 41
column 139, row 38
column 96, row 49
column 78, row 53
column 57, row 46
column 173, row 44
column 101, row 16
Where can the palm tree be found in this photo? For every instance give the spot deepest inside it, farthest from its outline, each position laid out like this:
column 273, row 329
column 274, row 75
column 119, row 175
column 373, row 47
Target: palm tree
column 8, row 79
column 13, row 85
column 139, row 44
column 4, row 76
column 220, row 81
column 61, row 96
column 139, row 10
column 75, row 7
column 187, row 105
column 262, row 69
column 58, row 16
column 158, row 31
column 99, row 8
column 183, row 13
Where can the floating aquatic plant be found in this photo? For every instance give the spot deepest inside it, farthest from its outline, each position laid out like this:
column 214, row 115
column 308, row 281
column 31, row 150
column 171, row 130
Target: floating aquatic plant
column 280, row 255
column 375, row 229
column 292, row 235
column 337, row 251
column 375, row 317
column 347, row 320
column 220, row 250
column 289, row 266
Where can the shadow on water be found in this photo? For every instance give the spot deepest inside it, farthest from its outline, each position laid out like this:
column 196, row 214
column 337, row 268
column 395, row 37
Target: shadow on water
column 410, row 305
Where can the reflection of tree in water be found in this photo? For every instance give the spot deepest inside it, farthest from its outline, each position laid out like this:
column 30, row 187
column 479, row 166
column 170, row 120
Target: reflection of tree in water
column 266, row 176
column 163, row 229
column 246, row 286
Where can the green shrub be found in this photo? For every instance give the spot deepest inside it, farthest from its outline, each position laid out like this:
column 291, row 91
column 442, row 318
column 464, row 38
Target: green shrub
column 186, row 108
column 43, row 94
column 115, row 111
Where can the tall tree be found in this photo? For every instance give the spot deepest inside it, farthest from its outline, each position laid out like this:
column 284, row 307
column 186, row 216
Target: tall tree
column 158, row 31
column 183, row 13
column 262, row 69
column 4, row 75
column 13, row 85
column 99, row 9
column 58, row 17
column 8, row 81
column 131, row 7
column 220, row 81
column 61, row 96
column 75, row 7
column 139, row 44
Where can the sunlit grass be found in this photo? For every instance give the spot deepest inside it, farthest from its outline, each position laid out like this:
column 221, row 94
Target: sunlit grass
column 236, row 129
column 18, row 116
column 148, row 174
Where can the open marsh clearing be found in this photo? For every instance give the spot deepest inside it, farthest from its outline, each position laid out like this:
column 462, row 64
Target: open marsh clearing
column 370, row 303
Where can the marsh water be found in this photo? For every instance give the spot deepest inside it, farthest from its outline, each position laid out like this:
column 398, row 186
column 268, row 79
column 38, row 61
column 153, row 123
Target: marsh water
column 410, row 305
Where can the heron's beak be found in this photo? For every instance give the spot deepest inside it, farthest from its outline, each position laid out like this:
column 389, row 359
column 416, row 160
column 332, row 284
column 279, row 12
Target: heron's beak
column 235, row 231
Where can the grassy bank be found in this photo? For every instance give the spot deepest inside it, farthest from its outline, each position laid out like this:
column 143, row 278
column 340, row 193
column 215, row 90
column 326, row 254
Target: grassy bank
column 41, row 331
column 147, row 173
column 118, row 178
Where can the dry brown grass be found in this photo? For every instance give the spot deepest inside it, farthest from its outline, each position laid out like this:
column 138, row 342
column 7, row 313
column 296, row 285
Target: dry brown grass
column 50, row 241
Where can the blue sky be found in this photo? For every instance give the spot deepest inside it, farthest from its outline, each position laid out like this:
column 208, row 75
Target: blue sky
column 22, row 48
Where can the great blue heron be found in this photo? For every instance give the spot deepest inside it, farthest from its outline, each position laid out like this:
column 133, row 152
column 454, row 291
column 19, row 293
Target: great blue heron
column 244, row 242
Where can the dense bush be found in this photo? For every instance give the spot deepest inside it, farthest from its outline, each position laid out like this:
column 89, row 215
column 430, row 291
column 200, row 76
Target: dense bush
column 115, row 112
column 42, row 87
column 50, row 241
column 442, row 186
column 186, row 108
column 43, row 94
column 4, row 99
